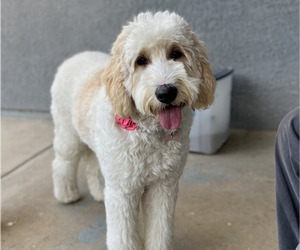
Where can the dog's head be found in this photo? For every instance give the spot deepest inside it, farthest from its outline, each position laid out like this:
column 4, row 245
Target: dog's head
column 157, row 66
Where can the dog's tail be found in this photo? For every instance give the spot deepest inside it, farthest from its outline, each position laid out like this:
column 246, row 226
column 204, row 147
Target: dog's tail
column 94, row 176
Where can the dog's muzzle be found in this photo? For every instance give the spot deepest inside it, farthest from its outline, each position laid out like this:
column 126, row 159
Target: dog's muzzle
column 166, row 93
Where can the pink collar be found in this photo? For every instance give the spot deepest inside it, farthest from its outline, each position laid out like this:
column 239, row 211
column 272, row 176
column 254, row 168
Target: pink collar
column 126, row 123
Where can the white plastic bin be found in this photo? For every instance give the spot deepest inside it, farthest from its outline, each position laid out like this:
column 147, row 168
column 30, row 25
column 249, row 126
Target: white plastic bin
column 210, row 127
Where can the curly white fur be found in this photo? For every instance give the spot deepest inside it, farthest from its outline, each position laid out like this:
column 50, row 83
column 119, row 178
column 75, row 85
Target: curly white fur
column 140, row 168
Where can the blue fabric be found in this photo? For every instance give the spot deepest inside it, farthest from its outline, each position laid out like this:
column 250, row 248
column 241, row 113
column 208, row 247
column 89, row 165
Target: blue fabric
column 287, row 181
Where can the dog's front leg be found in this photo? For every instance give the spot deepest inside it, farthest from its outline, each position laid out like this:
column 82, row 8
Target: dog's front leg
column 158, row 209
column 122, row 212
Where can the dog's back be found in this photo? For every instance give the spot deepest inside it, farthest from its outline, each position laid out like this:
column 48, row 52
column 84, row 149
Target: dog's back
column 71, row 75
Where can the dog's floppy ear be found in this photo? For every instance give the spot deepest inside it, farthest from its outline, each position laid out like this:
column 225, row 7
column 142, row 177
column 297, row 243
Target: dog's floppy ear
column 208, row 81
column 113, row 78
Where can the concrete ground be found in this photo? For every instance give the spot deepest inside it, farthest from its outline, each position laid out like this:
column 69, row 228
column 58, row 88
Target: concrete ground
column 226, row 201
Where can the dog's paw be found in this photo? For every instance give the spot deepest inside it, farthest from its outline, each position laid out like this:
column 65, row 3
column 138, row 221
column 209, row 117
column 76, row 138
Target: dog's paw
column 66, row 194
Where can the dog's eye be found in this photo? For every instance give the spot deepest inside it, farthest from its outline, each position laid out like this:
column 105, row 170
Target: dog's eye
column 175, row 54
column 142, row 61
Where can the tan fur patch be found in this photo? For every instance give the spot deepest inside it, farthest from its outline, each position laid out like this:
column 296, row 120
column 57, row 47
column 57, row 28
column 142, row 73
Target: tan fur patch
column 149, row 106
column 208, row 81
column 184, row 94
column 82, row 103
column 113, row 78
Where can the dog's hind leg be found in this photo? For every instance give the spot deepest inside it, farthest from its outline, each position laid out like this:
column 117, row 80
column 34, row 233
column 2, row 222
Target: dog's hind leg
column 93, row 174
column 67, row 147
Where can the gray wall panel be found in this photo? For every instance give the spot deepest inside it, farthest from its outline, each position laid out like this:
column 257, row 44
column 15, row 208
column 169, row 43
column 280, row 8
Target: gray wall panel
column 259, row 39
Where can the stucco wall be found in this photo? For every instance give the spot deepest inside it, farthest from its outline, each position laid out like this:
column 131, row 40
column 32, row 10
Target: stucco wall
column 259, row 39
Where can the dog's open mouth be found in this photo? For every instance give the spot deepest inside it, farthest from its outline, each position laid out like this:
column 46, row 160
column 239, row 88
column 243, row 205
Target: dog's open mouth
column 170, row 117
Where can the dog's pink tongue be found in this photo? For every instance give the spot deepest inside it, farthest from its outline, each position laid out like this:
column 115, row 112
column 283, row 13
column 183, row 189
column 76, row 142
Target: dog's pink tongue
column 170, row 117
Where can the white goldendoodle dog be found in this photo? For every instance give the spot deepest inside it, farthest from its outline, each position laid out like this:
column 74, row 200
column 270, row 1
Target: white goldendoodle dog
column 129, row 115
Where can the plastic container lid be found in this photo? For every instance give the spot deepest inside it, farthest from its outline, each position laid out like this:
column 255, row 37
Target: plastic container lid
column 221, row 73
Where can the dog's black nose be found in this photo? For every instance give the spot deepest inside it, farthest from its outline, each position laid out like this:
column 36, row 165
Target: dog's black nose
column 166, row 93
